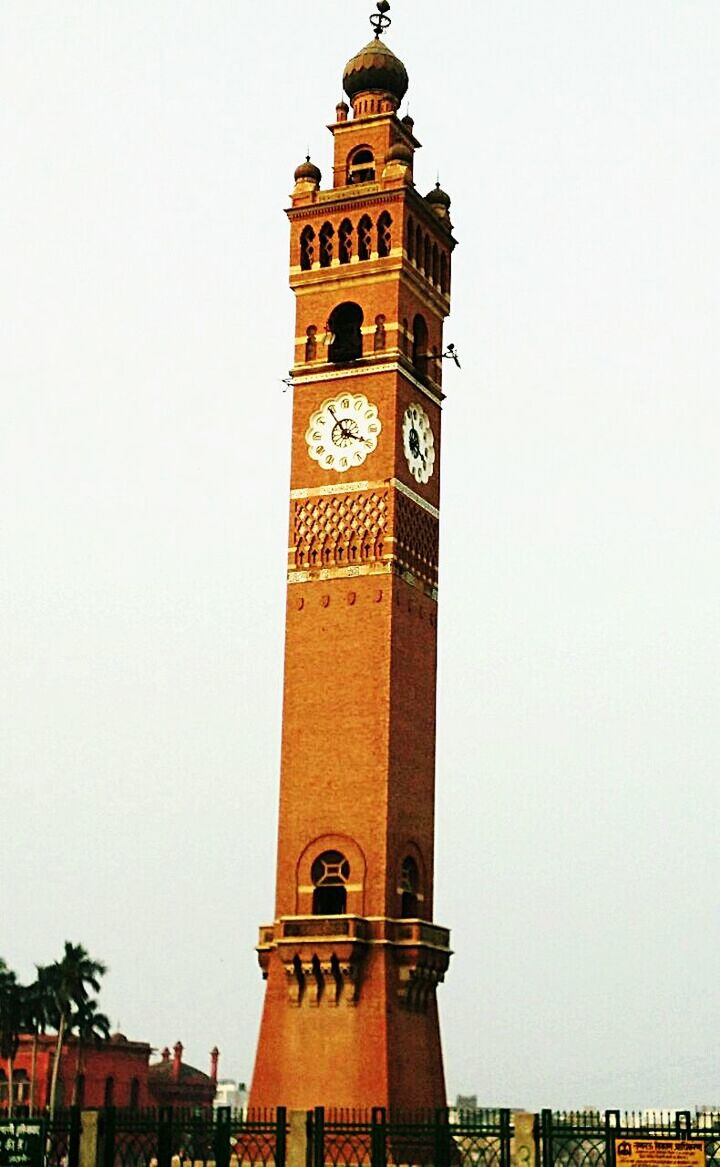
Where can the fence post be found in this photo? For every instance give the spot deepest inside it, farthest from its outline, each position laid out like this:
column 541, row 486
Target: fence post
column 165, row 1135
column 442, row 1137
column 73, row 1150
column 221, row 1136
column 612, row 1128
column 505, row 1128
column 683, row 1124
column 280, row 1136
column 523, row 1140
column 378, row 1138
column 89, row 1141
column 319, row 1136
column 546, row 1138
column 107, row 1129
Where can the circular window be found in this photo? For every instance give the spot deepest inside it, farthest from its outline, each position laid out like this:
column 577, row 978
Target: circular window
column 331, row 869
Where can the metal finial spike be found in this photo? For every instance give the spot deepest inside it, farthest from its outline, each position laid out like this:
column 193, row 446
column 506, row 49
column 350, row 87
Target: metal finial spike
column 382, row 20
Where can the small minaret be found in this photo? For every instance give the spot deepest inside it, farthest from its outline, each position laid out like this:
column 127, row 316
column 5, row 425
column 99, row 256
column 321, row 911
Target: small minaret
column 177, row 1061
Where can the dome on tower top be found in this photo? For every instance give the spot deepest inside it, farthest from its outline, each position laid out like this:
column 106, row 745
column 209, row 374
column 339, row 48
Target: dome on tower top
column 376, row 68
column 438, row 197
column 308, row 170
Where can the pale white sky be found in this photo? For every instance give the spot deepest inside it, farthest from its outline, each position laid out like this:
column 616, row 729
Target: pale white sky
column 146, row 156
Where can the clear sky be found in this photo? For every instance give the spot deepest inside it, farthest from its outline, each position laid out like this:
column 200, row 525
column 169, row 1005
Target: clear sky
column 146, row 156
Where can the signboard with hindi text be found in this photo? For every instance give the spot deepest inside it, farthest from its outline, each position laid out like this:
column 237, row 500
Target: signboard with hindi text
column 659, row 1153
column 22, row 1142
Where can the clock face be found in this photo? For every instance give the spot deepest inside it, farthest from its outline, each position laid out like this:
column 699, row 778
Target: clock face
column 343, row 431
column 418, row 443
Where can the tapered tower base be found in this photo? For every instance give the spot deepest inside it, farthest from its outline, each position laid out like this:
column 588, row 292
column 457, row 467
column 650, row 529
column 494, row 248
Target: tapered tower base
column 360, row 1004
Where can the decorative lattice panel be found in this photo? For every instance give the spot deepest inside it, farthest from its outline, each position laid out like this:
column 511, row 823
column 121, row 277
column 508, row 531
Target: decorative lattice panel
column 340, row 530
column 348, row 530
column 416, row 540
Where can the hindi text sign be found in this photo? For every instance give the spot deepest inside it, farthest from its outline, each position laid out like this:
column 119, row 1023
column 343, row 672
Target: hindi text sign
column 22, row 1142
column 660, row 1153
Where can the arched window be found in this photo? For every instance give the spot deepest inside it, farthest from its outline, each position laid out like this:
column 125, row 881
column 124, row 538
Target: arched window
column 384, row 234
column 330, row 873
column 307, row 248
column 418, row 246
column 435, row 264
column 420, row 344
column 427, row 268
column 346, row 241
column 326, row 244
column 365, row 237
column 345, row 327
column 361, row 166
column 380, row 335
column 135, row 1094
column 410, row 240
column 311, row 343
column 79, row 1092
column 410, row 886
column 109, row 1091
column 444, row 273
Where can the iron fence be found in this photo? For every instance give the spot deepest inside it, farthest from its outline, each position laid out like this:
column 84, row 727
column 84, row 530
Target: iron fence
column 62, row 1147
column 587, row 1138
column 381, row 1138
column 171, row 1137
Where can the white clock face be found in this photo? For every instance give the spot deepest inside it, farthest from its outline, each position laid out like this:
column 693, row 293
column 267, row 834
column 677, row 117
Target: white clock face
column 418, row 443
column 343, row 431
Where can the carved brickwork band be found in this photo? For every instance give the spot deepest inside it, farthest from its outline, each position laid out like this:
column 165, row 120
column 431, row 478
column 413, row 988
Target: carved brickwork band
column 381, row 528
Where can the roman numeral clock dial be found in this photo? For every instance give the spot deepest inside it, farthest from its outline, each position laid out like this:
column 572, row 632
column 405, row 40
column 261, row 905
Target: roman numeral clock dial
column 343, row 431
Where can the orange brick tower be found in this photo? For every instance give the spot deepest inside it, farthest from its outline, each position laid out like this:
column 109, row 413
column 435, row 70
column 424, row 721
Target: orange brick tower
column 353, row 960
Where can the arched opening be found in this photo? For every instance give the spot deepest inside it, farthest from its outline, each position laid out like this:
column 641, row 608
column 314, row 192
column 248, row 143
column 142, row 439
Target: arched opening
column 410, row 887
column 361, row 166
column 330, row 873
column 326, row 244
column 418, row 246
column 345, row 327
column 79, row 1092
column 22, row 1092
column 444, row 273
column 365, row 237
column 435, row 264
column 410, row 240
column 420, row 344
column 427, row 261
column 345, row 235
column 135, row 1094
column 109, row 1096
column 384, row 234
column 307, row 248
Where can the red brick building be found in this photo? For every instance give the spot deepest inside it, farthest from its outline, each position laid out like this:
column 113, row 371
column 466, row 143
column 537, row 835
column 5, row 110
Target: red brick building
column 352, row 958
column 117, row 1072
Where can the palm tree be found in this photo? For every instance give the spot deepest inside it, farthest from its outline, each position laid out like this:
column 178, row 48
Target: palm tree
column 39, row 1007
column 90, row 1025
column 11, row 1008
column 69, row 979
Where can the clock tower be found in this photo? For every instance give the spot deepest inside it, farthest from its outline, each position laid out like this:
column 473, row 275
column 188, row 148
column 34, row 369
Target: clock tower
column 353, row 958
